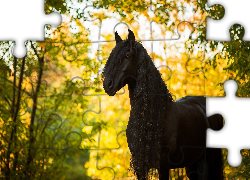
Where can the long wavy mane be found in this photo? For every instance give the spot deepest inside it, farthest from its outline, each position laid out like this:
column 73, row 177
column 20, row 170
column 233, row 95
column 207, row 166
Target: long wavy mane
column 148, row 104
column 149, row 79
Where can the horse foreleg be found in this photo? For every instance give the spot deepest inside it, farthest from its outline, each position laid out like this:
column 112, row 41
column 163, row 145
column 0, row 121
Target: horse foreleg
column 214, row 159
column 197, row 171
column 141, row 175
column 191, row 172
column 164, row 169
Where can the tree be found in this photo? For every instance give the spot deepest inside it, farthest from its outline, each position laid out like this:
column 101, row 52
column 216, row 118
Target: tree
column 36, row 116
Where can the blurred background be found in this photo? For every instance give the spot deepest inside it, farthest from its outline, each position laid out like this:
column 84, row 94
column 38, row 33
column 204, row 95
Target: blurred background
column 56, row 121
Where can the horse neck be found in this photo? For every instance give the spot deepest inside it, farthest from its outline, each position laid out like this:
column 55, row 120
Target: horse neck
column 149, row 81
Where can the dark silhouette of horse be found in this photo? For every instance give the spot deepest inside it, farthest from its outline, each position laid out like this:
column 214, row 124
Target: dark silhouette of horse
column 161, row 133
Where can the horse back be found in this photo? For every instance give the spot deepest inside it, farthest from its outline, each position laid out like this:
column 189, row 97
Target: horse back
column 189, row 112
column 199, row 100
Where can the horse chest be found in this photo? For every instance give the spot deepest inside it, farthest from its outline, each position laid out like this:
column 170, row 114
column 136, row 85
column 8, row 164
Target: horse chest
column 133, row 135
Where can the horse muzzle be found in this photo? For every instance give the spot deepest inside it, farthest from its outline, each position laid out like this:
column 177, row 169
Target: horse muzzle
column 109, row 88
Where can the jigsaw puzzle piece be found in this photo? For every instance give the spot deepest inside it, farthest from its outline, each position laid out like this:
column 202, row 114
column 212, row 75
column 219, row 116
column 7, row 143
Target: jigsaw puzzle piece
column 210, row 161
column 195, row 68
column 92, row 121
column 198, row 168
column 30, row 84
column 112, row 167
column 108, row 43
column 56, row 77
column 41, row 149
column 158, row 32
column 233, row 13
column 235, row 111
column 159, row 25
column 76, row 164
column 106, row 142
column 102, row 166
column 96, row 34
column 69, row 48
column 99, row 158
column 198, row 66
column 51, row 126
column 91, row 16
column 182, row 32
column 64, row 137
column 95, row 118
column 208, row 158
column 165, row 41
column 70, row 51
column 89, row 87
column 28, row 93
column 26, row 20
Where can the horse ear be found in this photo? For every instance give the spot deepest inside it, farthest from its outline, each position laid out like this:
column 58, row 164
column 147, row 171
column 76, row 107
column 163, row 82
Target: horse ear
column 117, row 38
column 131, row 38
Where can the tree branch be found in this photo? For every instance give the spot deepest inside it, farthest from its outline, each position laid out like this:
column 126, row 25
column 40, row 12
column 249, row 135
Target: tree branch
column 33, row 113
column 13, row 111
column 6, row 101
column 4, row 138
column 14, row 87
column 13, row 132
column 34, row 49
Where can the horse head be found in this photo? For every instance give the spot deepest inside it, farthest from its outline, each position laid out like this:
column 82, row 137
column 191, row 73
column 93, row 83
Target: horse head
column 121, row 67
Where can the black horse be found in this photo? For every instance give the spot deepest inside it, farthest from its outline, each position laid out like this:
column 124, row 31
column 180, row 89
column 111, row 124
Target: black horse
column 161, row 133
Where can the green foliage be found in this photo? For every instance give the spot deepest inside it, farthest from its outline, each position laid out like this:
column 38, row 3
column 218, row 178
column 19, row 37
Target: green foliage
column 41, row 107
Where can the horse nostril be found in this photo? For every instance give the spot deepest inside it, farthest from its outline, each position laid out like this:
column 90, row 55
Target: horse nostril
column 110, row 84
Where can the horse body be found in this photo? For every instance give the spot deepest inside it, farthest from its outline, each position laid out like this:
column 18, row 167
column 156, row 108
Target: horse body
column 182, row 144
column 184, row 115
column 161, row 133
